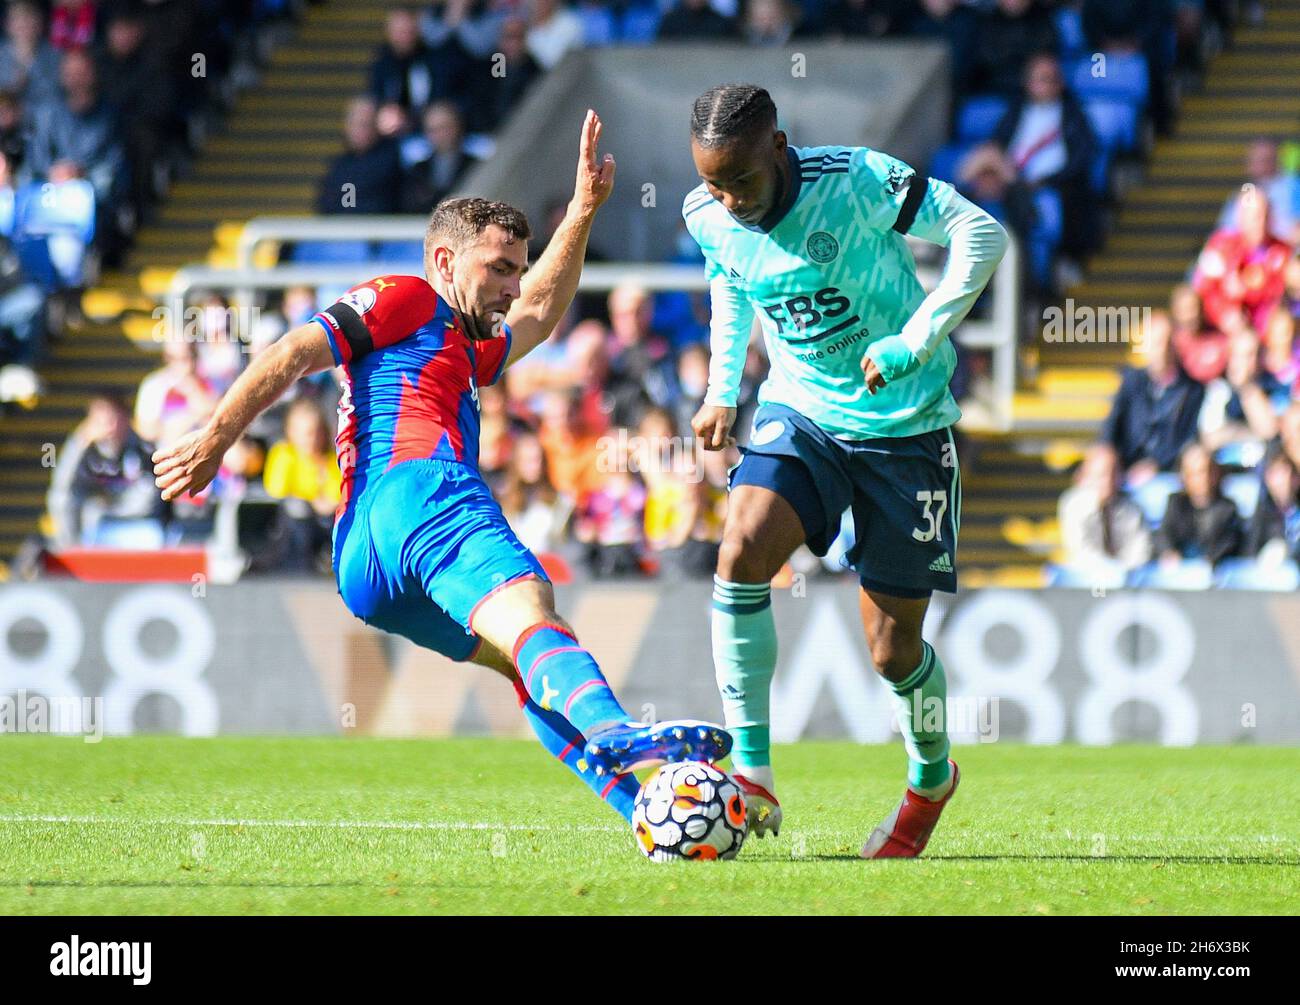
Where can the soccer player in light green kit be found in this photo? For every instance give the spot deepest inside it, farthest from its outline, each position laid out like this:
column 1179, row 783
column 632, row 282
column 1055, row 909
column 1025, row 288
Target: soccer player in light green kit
column 855, row 413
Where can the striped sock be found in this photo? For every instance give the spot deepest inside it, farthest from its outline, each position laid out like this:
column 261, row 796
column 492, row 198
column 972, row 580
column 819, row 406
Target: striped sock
column 920, row 701
column 559, row 736
column 744, row 660
column 561, row 676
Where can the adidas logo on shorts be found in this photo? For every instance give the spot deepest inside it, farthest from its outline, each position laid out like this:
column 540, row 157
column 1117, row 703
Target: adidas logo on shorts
column 941, row 564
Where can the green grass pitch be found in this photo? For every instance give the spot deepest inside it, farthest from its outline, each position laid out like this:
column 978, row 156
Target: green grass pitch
column 250, row 825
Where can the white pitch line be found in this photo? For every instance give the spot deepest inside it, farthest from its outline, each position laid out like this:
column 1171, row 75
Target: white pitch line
column 396, row 825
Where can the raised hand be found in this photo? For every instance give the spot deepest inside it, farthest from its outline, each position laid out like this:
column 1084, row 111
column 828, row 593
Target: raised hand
column 595, row 177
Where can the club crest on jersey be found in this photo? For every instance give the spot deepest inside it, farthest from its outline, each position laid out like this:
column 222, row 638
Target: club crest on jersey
column 822, row 247
column 360, row 300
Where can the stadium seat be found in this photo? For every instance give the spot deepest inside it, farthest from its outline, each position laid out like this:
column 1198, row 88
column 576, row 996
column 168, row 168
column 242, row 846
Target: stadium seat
column 1069, row 30
column 331, row 252
column 1107, row 577
column 1243, row 490
column 1114, row 123
column 947, row 159
column 1125, row 78
column 1153, row 495
column 400, row 251
column 53, row 224
column 1248, row 574
column 1190, row 574
column 979, row 116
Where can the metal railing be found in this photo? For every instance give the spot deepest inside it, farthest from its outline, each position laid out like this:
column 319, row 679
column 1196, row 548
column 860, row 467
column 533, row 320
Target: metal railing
column 998, row 333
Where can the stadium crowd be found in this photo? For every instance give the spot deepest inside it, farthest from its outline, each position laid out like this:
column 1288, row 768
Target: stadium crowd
column 586, row 441
column 102, row 103
column 1196, row 475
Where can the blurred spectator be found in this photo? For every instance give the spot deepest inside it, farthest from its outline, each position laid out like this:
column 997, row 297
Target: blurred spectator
column 174, row 399
column 1291, row 283
column 1241, row 408
column 1240, row 271
column 130, row 73
column 474, row 24
column 1004, row 39
column 496, row 436
column 29, row 65
column 430, row 180
column 692, row 383
column 112, row 478
column 857, row 19
column 681, row 521
column 1282, row 191
column 1125, row 27
column 767, row 22
column 553, row 30
column 951, row 22
column 1275, row 524
column 72, row 24
column 696, row 19
column 302, row 472
column 1101, row 527
column 572, row 449
column 1202, row 351
column 639, row 354
column 367, row 176
column 22, row 302
column 220, row 346
column 1037, row 168
column 1289, row 432
column 1281, row 354
column 79, row 135
column 536, row 513
column 1199, row 522
column 501, row 90
column 609, row 519
column 407, row 72
column 1155, row 410
column 13, row 131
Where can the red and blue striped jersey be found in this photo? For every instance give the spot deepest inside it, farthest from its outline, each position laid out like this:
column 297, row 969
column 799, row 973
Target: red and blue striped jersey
column 411, row 378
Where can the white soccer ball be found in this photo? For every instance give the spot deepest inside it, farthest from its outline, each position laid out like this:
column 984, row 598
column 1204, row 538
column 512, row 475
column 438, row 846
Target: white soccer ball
column 689, row 810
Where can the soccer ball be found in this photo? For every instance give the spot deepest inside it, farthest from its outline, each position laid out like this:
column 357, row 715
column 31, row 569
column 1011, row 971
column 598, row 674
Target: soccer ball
column 689, row 810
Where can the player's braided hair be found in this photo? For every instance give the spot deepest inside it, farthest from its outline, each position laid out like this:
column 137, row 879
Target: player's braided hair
column 457, row 223
column 729, row 112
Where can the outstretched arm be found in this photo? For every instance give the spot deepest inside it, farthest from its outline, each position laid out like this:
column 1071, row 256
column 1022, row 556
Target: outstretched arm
column 193, row 460
column 548, row 287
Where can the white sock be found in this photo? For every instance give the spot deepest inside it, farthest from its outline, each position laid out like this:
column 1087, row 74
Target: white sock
column 758, row 775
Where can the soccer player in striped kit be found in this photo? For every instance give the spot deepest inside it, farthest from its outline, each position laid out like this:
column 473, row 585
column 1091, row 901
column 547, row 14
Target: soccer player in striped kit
column 421, row 547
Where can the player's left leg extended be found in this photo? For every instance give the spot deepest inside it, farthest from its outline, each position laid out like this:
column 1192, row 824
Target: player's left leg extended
column 560, row 675
column 561, row 738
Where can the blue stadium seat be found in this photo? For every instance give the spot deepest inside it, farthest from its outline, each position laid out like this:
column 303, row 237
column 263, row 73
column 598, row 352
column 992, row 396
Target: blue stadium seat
column 1125, row 78
column 399, row 251
column 52, row 226
column 331, row 252
column 1069, row 29
column 1243, row 490
column 1114, row 123
column 1086, row 577
column 1190, row 574
column 979, row 116
column 1153, row 495
column 946, row 160
column 1248, row 574
column 641, row 25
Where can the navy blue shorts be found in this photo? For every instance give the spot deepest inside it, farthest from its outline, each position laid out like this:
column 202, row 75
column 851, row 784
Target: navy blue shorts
column 422, row 548
column 904, row 491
